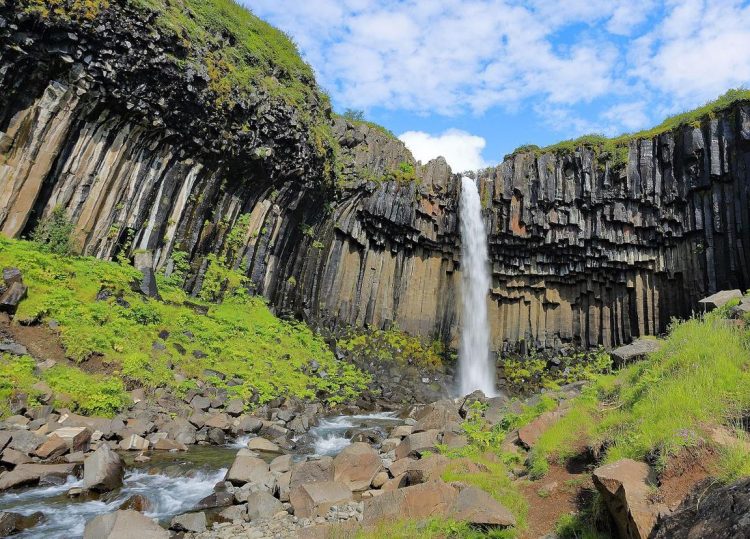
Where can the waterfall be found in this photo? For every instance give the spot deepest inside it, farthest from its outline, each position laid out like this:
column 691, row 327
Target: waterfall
column 475, row 367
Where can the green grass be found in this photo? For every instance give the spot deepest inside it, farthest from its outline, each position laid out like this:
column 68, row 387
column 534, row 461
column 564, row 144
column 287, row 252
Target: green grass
column 615, row 150
column 657, row 407
column 240, row 337
column 434, row 528
column 73, row 388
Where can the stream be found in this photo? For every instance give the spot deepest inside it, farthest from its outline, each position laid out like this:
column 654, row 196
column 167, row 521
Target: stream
column 173, row 482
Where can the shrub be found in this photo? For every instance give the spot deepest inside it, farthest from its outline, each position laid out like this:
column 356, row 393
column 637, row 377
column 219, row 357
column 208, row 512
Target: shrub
column 54, row 233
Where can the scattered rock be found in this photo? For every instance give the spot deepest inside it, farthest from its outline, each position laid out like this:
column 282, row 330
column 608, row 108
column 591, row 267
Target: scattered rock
column 123, row 524
column 137, row 502
column 427, row 500
column 103, row 471
column 262, row 505
column 529, row 434
column 53, row 447
column 13, row 523
column 315, row 499
column 626, row 487
column 719, row 299
column 189, row 522
column 417, row 443
column 356, row 466
column 263, row 445
column 248, row 468
column 476, row 506
column 635, row 351
column 31, row 474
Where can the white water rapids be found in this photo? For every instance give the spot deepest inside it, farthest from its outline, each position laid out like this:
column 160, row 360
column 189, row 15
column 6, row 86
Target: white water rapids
column 475, row 368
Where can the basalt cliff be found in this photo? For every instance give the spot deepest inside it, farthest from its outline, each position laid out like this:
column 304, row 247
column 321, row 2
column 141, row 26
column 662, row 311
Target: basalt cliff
column 106, row 116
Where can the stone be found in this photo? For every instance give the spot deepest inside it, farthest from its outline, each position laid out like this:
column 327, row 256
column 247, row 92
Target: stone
column 26, row 442
column 147, row 285
column 281, row 464
column 16, row 421
column 477, row 507
column 103, row 470
column 189, row 522
column 389, row 444
column 455, row 441
column 436, row 415
column 218, row 421
column 235, row 407
column 53, row 447
column 719, row 299
column 263, row 445
column 249, row 425
column 14, row 457
column 217, row 499
column 626, row 486
column 77, row 438
column 134, row 443
column 180, row 430
column 4, row 439
column 13, row 523
column 165, row 444
column 32, row 474
column 261, row 505
column 635, row 351
column 433, row 499
column 417, row 443
column 235, row 513
column 10, row 299
column 125, row 524
column 401, row 431
column 13, row 348
column 529, row 434
column 311, row 471
column 356, row 466
column 136, row 502
column 380, row 479
column 200, row 402
column 315, row 499
column 12, row 275
column 247, row 468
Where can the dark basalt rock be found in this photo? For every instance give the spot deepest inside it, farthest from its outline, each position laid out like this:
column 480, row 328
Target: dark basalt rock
column 718, row 512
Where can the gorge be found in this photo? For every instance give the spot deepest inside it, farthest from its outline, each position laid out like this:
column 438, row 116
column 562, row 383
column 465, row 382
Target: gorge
column 588, row 245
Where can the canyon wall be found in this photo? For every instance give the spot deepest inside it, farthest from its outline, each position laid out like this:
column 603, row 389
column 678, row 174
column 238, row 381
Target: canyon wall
column 585, row 250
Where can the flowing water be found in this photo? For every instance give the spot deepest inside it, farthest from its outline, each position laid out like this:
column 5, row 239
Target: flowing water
column 475, row 368
column 172, row 482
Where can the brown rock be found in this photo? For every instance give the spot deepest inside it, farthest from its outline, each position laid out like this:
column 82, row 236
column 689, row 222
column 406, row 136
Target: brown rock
column 436, row 415
column 311, row 471
column 31, row 474
column 626, row 486
column 248, row 468
column 427, row 500
column 418, row 443
column 122, row 525
column 137, row 502
column 315, row 499
column 476, row 506
column 103, row 470
column 529, row 434
column 356, row 466
column 53, row 447
column 165, row 444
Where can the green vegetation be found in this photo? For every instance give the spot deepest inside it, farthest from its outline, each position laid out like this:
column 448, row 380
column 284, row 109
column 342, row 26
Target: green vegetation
column 531, row 373
column 167, row 343
column 434, row 528
column 357, row 117
column 393, row 345
column 659, row 406
column 615, row 150
column 54, row 233
column 73, row 388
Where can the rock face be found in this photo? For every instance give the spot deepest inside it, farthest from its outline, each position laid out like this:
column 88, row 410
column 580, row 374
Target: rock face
column 584, row 249
column 719, row 513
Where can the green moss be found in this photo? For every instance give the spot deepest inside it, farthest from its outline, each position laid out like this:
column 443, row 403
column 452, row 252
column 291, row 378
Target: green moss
column 532, row 373
column 393, row 345
column 239, row 337
column 615, row 150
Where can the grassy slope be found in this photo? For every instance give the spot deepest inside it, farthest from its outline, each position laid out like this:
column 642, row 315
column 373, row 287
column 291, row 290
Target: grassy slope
column 240, row 337
column 615, row 149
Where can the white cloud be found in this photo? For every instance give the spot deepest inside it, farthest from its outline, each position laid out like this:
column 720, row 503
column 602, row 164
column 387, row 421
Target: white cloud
column 462, row 150
column 632, row 116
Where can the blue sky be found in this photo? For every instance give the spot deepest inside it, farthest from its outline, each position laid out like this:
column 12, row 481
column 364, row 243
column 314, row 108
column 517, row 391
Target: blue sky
column 472, row 80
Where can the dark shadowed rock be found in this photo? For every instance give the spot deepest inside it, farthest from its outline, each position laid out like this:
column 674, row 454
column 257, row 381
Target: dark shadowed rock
column 635, row 351
column 719, row 299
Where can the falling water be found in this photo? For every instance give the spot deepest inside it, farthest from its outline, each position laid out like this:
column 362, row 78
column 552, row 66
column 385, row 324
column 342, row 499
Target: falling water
column 475, row 369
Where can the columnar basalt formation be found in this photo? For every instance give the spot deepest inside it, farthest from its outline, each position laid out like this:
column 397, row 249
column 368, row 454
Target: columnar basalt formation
column 586, row 251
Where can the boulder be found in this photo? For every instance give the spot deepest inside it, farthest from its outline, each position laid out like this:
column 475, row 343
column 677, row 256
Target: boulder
column 13, row 457
column 189, row 522
column 626, row 486
column 214, row 500
column 401, row 431
column 417, row 443
column 13, row 523
column 32, row 474
column 10, row 299
column 235, row 513
column 311, row 471
column 53, row 447
column 356, row 466
column 235, row 407
column 315, row 499
column 200, row 402
column 248, row 468
column 263, row 445
column 136, row 502
column 249, row 424
column 436, row 415
column 218, row 421
column 123, row 525
column 262, row 505
column 379, row 480
column 4, row 439
column 25, row 441
column 77, row 438
column 635, row 351
column 711, row 510
column 180, row 430
column 477, row 507
column 103, row 470
column 529, row 434
column 719, row 299
column 433, row 499
column 134, row 443
column 281, row 464
column 165, row 444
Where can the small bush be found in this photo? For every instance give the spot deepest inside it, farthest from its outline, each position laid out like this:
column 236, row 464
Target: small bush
column 54, row 233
